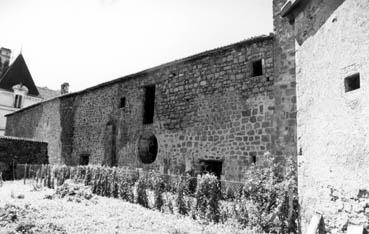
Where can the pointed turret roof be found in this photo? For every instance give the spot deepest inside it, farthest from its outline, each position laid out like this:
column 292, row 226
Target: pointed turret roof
column 18, row 73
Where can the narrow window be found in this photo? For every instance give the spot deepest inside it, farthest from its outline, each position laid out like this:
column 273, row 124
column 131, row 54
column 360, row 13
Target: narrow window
column 257, row 68
column 122, row 103
column 84, row 159
column 149, row 103
column 352, row 82
column 253, row 157
column 18, row 101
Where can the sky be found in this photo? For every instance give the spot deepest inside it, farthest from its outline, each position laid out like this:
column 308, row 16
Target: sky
column 87, row 42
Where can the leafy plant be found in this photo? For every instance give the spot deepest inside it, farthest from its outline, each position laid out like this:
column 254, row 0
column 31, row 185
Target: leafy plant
column 141, row 192
column 207, row 196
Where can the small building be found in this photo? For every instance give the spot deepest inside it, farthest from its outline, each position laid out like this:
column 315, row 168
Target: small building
column 17, row 88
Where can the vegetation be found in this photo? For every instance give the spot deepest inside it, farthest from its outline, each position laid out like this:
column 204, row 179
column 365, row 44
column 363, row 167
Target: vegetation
column 43, row 212
column 265, row 202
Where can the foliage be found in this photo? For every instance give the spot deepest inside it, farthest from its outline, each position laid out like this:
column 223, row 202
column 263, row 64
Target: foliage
column 180, row 201
column 207, row 196
column 17, row 219
column 125, row 188
column 158, row 192
column 269, row 198
column 141, row 192
column 74, row 191
column 266, row 201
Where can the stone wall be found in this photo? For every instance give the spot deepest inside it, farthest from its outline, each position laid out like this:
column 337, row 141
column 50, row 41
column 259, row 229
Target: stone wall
column 284, row 91
column 41, row 123
column 332, row 123
column 19, row 150
column 207, row 107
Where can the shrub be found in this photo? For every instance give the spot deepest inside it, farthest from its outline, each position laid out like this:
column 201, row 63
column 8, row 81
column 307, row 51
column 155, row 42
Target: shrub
column 159, row 187
column 141, row 192
column 25, row 227
column 191, row 184
column 266, row 198
column 207, row 197
column 125, row 189
column 88, row 176
column 180, row 201
column 74, row 191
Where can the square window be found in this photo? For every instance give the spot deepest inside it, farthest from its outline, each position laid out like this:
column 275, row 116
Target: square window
column 84, row 159
column 257, row 68
column 352, row 82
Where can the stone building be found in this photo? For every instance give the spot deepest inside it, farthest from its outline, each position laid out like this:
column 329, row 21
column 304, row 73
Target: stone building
column 17, row 88
column 220, row 111
column 332, row 64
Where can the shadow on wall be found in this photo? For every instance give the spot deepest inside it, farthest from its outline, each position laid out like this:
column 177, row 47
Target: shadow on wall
column 67, row 112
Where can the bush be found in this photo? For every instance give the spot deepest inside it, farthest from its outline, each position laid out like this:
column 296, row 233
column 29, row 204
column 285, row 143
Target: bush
column 207, row 197
column 266, row 198
column 125, row 189
column 25, row 227
column 267, row 201
column 180, row 201
column 141, row 192
column 74, row 191
column 159, row 187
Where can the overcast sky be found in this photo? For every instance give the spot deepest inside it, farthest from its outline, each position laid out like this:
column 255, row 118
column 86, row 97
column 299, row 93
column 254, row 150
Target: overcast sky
column 86, row 42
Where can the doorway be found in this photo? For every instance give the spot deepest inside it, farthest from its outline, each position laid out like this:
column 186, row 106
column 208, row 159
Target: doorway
column 212, row 167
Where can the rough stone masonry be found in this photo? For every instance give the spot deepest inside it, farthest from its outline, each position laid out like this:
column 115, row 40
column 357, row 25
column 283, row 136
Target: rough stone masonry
column 220, row 110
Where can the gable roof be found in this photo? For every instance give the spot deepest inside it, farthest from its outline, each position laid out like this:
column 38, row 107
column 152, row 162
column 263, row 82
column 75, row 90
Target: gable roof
column 18, row 73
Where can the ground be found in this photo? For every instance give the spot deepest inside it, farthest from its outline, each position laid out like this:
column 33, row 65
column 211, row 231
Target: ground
column 97, row 215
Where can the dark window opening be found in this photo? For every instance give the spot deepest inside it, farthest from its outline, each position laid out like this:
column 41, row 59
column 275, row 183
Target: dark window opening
column 84, row 159
column 253, row 158
column 149, row 103
column 352, row 82
column 257, row 68
column 147, row 148
column 18, row 101
column 122, row 103
column 212, row 167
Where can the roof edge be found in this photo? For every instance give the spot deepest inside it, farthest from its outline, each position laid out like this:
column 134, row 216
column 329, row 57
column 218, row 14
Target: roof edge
column 21, row 139
column 200, row 55
column 289, row 6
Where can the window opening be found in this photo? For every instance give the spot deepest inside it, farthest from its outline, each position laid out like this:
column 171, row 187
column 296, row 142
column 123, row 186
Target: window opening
column 149, row 103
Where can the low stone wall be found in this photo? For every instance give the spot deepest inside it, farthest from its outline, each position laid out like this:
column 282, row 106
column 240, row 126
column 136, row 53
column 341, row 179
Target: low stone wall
column 19, row 150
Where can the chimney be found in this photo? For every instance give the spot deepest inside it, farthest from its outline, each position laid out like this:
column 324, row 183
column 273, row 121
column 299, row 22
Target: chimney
column 64, row 88
column 4, row 59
